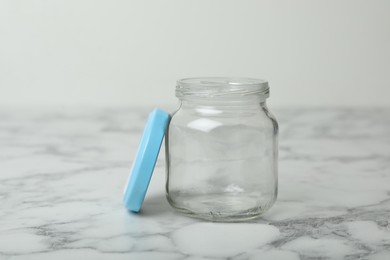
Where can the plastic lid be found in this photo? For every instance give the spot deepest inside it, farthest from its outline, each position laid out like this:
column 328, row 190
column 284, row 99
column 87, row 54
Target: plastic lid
column 145, row 161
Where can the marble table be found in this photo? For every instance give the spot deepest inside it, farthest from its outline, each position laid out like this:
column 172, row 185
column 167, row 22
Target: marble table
column 62, row 174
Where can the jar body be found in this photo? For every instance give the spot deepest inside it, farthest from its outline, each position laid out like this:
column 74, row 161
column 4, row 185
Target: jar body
column 222, row 160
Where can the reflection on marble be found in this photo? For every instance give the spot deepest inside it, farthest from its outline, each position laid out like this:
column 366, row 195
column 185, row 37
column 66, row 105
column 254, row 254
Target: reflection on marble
column 62, row 175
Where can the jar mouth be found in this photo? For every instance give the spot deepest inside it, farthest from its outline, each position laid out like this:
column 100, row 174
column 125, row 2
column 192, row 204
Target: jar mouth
column 221, row 87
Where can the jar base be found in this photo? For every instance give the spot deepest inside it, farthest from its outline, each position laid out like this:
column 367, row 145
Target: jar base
column 221, row 207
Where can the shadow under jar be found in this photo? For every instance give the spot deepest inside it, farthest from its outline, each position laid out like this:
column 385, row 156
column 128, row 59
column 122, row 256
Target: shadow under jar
column 222, row 149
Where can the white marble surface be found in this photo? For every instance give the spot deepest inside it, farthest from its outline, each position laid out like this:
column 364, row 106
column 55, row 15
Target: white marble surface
column 62, row 174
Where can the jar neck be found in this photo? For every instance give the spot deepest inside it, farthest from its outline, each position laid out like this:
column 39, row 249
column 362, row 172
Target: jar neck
column 231, row 104
column 222, row 92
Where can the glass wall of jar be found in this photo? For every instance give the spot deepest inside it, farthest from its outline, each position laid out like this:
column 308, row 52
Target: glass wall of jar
column 222, row 149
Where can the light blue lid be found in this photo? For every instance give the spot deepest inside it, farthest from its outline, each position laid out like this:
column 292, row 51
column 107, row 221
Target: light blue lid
column 143, row 165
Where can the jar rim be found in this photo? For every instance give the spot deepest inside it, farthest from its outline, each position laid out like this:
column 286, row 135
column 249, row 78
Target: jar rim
column 221, row 86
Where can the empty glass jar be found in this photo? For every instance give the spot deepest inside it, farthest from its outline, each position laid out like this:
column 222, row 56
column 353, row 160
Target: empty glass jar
column 222, row 149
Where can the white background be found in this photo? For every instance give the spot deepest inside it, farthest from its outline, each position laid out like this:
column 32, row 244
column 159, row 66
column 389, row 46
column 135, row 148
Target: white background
column 109, row 53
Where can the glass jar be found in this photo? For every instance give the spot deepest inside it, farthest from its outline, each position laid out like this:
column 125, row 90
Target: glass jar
column 222, row 149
